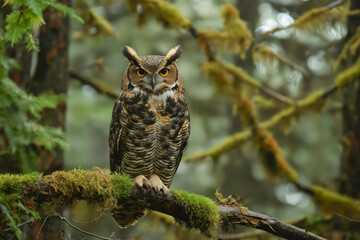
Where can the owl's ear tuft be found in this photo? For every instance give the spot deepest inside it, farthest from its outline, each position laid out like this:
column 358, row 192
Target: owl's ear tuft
column 173, row 55
column 131, row 55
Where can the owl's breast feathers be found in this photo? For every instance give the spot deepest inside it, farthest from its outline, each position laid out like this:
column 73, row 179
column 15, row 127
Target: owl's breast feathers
column 148, row 134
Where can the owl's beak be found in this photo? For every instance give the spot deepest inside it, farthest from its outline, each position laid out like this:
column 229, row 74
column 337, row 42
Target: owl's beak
column 152, row 82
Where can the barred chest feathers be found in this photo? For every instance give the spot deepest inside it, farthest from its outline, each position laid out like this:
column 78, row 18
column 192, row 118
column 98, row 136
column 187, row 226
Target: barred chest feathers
column 150, row 125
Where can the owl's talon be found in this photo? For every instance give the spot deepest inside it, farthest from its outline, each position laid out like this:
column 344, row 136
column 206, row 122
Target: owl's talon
column 142, row 183
column 158, row 186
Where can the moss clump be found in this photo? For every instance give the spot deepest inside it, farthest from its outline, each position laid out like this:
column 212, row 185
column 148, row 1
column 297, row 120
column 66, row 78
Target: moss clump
column 13, row 204
column 11, row 183
column 271, row 156
column 163, row 11
column 122, row 186
column 351, row 47
column 239, row 35
column 331, row 202
column 264, row 56
column 202, row 212
column 349, row 75
column 93, row 186
column 318, row 18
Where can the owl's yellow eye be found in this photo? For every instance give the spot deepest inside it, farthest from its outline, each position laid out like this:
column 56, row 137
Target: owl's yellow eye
column 140, row 72
column 164, row 72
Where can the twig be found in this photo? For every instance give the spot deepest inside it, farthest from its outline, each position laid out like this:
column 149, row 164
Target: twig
column 270, row 224
column 99, row 86
column 244, row 235
column 351, row 220
column 19, row 225
column 277, row 29
column 78, row 229
column 276, row 95
column 42, row 225
column 334, row 4
column 237, row 138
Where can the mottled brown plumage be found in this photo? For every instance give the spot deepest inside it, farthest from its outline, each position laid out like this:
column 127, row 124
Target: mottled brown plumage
column 150, row 126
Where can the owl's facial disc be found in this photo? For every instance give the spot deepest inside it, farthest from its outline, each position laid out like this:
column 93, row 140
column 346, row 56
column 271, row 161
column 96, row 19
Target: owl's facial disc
column 154, row 83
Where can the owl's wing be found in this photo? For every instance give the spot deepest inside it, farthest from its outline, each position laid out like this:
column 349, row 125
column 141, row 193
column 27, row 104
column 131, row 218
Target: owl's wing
column 185, row 134
column 114, row 136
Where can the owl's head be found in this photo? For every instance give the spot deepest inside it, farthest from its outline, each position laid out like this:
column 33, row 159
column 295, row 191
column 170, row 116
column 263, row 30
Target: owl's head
column 153, row 74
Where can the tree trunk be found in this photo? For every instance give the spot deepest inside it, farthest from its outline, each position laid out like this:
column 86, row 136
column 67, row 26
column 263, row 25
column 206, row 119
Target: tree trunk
column 51, row 75
column 350, row 167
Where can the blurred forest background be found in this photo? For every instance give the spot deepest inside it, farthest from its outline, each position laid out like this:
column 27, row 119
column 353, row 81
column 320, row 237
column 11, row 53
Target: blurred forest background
column 271, row 166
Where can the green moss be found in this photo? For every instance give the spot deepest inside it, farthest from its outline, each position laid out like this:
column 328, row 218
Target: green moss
column 163, row 11
column 331, row 202
column 239, row 35
column 11, row 183
column 13, row 203
column 94, row 186
column 202, row 212
column 349, row 75
column 122, row 185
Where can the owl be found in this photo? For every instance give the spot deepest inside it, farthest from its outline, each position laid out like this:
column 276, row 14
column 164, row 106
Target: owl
column 150, row 127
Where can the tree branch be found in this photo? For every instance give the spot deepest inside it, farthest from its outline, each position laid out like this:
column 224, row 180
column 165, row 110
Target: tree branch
column 105, row 190
column 99, row 86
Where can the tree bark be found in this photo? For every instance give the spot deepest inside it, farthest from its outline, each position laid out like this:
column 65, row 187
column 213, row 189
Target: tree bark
column 51, row 75
column 349, row 181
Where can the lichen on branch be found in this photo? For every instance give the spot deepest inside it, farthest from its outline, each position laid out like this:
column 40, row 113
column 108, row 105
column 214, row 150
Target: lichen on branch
column 164, row 12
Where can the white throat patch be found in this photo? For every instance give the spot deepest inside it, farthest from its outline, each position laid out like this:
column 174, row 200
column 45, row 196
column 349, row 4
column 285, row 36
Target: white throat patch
column 162, row 97
column 157, row 98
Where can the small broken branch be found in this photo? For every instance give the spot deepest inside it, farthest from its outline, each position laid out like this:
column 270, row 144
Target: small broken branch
column 79, row 229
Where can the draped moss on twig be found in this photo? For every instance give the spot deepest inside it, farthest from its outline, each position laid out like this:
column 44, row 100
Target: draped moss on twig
column 247, row 111
column 314, row 102
column 318, row 18
column 350, row 49
column 163, row 11
column 228, row 78
column 236, row 37
column 330, row 202
column 346, row 77
column 93, row 21
column 274, row 163
column 263, row 55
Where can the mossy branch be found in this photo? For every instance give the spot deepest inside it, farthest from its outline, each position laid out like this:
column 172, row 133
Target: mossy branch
column 99, row 86
column 317, row 18
column 98, row 187
column 313, row 102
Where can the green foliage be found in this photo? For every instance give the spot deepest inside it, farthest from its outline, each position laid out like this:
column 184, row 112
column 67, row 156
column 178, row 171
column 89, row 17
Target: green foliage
column 27, row 16
column 202, row 211
column 330, row 202
column 12, row 192
column 21, row 134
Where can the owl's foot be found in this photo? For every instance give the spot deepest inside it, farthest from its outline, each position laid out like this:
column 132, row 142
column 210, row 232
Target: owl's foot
column 142, row 183
column 158, row 186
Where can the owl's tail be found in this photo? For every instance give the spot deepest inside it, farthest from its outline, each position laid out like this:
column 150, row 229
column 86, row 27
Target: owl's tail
column 128, row 213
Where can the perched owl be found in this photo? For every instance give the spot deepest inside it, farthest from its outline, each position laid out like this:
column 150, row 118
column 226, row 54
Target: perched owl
column 150, row 126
